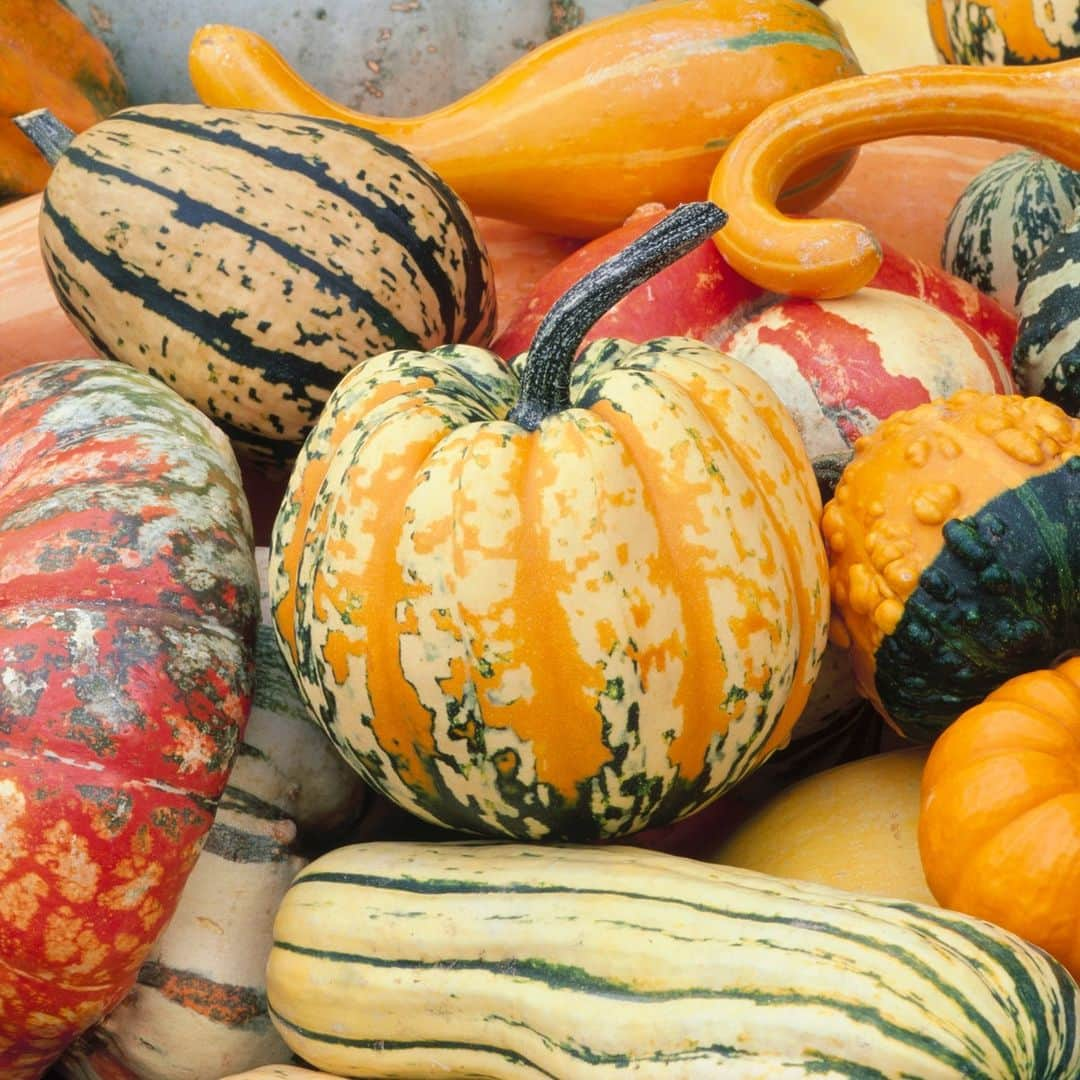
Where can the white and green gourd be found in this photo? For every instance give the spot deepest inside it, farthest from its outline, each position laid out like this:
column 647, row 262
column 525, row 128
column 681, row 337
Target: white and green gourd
column 510, row 960
column 1002, row 220
column 198, row 1010
column 1046, row 358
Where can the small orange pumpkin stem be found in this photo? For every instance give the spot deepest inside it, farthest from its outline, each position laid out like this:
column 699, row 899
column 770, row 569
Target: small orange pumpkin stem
column 1033, row 106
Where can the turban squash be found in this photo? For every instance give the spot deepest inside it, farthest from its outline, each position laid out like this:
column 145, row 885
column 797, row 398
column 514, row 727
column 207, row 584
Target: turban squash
column 126, row 664
column 954, row 554
column 999, row 825
column 560, row 604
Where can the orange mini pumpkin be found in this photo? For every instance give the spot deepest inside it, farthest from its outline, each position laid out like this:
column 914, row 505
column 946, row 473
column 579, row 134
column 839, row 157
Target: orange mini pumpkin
column 999, row 822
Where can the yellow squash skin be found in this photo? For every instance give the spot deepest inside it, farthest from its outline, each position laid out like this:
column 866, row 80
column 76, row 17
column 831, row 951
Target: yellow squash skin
column 629, row 109
column 517, row 961
column 828, row 257
column 853, row 827
column 584, row 629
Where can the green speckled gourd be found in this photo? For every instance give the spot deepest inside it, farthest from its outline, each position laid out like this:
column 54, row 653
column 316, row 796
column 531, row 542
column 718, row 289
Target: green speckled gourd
column 250, row 259
column 1005, row 217
column 1047, row 354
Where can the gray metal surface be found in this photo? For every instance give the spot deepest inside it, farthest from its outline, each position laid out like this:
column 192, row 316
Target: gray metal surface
column 390, row 57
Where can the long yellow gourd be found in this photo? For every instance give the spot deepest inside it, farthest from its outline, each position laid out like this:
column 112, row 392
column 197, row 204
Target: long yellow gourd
column 828, row 257
column 632, row 108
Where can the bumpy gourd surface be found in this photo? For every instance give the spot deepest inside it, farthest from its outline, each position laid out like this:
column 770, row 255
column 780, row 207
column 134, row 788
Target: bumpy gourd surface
column 576, row 631
column 953, row 552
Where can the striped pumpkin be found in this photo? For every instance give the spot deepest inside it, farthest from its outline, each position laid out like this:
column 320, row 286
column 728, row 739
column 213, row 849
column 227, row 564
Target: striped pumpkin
column 954, row 551
column 543, row 617
column 513, row 960
column 1004, row 31
column 1005, row 217
column 249, row 260
column 126, row 662
column 1047, row 353
column 198, row 1008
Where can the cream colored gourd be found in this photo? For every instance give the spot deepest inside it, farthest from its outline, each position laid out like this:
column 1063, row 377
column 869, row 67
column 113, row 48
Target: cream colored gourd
column 509, row 960
column 851, row 827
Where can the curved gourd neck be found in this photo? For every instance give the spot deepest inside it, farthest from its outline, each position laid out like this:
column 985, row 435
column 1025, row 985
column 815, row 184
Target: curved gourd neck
column 545, row 381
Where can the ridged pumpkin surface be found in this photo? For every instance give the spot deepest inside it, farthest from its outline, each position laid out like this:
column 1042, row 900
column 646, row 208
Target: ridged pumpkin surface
column 1047, row 353
column 126, row 656
column 608, row 962
column 954, row 554
column 1005, row 217
column 250, row 259
column 574, row 631
column 999, row 828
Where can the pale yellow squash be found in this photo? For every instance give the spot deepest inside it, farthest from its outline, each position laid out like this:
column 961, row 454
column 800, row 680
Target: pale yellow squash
column 852, row 827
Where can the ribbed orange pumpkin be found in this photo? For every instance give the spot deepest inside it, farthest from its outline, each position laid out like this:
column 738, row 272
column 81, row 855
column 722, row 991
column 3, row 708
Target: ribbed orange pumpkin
column 999, row 824
column 572, row 604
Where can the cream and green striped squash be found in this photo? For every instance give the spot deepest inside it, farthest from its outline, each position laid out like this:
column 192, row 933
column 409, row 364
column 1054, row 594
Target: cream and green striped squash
column 1004, row 218
column 517, row 961
column 250, row 259
column 1004, row 31
column 538, row 602
column 1046, row 358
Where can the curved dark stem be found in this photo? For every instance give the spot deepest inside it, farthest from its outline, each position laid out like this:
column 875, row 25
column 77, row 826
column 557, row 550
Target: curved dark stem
column 545, row 381
column 49, row 134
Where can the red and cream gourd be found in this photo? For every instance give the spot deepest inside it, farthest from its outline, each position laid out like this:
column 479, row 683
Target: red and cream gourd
column 126, row 664
column 560, row 603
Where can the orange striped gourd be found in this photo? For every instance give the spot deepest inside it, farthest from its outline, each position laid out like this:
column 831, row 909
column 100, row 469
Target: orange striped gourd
column 555, row 603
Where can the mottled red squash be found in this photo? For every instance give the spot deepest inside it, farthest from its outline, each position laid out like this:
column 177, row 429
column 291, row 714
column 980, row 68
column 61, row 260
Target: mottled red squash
column 126, row 662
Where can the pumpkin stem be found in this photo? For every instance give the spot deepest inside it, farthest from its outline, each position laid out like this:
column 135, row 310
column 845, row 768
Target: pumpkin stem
column 545, row 380
column 47, row 132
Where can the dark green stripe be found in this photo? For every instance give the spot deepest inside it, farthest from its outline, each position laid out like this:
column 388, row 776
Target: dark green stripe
column 238, row 846
column 394, row 219
column 435, row 887
column 577, row 979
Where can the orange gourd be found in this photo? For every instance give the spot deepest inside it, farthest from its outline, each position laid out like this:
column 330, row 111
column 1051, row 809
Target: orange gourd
column 1033, row 106
column 632, row 108
column 1004, row 31
column 33, row 325
column 999, row 823
column 48, row 59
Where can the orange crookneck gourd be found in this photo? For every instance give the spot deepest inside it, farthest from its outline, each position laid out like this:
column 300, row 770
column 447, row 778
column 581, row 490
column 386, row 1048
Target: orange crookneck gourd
column 999, row 825
column 830, row 257
column 573, row 136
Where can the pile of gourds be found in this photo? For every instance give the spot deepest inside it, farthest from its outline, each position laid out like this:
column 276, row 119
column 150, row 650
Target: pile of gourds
column 735, row 490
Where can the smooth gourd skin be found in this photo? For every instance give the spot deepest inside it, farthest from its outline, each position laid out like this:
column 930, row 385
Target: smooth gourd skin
column 513, row 960
column 1004, row 31
column 999, row 827
column 1006, row 216
column 1047, row 352
column 49, row 59
column 830, row 257
column 953, row 554
column 576, row 631
column 126, row 666
column 250, row 259
column 632, row 108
